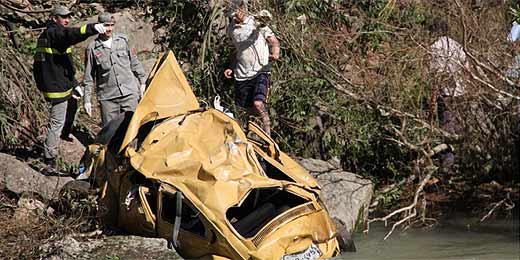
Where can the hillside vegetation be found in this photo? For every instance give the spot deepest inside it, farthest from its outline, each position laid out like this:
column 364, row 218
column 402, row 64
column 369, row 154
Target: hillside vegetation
column 353, row 83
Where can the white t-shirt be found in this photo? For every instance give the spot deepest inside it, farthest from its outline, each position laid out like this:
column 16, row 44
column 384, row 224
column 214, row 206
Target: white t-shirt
column 252, row 48
column 449, row 57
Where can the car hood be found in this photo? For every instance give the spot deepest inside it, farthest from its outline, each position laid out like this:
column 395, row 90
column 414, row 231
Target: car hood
column 202, row 153
column 168, row 93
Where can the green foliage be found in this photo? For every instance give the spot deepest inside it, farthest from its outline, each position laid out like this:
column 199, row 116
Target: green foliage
column 28, row 46
column 185, row 22
column 310, row 114
column 515, row 12
column 412, row 16
column 391, row 198
column 315, row 9
column 7, row 129
column 369, row 152
column 22, row 108
column 196, row 35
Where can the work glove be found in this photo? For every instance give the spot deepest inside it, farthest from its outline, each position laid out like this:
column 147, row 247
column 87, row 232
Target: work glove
column 141, row 90
column 88, row 108
column 77, row 92
column 100, row 28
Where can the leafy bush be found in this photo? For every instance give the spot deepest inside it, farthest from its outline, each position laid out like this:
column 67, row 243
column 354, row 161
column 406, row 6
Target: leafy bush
column 353, row 80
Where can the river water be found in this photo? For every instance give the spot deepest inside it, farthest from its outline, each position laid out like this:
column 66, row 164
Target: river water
column 460, row 239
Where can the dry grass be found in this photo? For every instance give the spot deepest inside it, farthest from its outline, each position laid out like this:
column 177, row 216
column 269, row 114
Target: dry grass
column 32, row 234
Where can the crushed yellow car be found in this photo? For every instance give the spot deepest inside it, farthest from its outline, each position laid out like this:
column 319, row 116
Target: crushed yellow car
column 191, row 175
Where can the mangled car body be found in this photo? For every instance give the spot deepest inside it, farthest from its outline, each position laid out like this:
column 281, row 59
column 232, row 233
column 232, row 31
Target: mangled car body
column 191, row 175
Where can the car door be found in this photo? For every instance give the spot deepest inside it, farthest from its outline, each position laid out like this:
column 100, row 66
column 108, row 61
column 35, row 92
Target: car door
column 137, row 207
column 193, row 238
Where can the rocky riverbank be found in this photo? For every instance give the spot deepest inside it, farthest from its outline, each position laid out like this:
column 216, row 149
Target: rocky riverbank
column 64, row 211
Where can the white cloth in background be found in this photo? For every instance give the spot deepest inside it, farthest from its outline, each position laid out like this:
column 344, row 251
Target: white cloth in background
column 514, row 35
column 448, row 56
column 252, row 49
column 513, row 72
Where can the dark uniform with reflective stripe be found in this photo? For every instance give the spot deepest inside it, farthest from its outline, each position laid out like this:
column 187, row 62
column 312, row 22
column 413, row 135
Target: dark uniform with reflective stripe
column 53, row 67
column 53, row 71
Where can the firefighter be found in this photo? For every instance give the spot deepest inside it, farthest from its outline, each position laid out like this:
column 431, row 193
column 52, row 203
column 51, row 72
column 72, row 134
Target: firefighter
column 54, row 71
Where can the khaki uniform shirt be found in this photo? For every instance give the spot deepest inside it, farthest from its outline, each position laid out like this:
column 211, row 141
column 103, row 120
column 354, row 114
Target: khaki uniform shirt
column 116, row 71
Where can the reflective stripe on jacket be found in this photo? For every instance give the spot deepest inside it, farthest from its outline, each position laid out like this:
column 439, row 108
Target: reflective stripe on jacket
column 53, row 67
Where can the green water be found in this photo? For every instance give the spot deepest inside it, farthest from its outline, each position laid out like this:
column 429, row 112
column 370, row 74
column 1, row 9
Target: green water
column 455, row 240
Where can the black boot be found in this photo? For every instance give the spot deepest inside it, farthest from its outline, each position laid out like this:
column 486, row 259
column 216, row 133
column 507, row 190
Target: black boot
column 52, row 166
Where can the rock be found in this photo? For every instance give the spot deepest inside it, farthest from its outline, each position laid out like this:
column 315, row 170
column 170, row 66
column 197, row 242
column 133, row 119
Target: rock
column 30, row 204
column 71, row 247
column 346, row 244
column 112, row 247
column 20, row 4
column 71, row 152
column 346, row 195
column 27, row 208
column 80, row 188
column 68, row 248
column 317, row 166
column 19, row 178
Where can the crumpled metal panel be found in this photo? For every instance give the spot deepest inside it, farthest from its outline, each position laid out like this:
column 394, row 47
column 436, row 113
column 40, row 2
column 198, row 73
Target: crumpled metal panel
column 168, row 94
column 206, row 155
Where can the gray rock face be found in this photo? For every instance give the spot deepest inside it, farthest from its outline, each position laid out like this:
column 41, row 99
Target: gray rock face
column 346, row 195
column 316, row 166
column 19, row 178
column 71, row 152
column 113, row 247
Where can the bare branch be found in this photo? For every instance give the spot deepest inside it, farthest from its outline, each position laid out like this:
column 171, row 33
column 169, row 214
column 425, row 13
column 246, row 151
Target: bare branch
column 410, row 208
column 25, row 11
column 496, row 205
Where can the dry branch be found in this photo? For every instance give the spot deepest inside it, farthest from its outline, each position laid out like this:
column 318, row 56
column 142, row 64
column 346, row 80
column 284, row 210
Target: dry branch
column 506, row 201
column 25, row 11
column 409, row 210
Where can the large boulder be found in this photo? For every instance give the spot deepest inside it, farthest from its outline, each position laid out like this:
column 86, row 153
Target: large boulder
column 18, row 177
column 346, row 195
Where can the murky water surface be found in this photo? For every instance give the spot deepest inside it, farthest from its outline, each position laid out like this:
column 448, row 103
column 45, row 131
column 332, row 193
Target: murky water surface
column 455, row 240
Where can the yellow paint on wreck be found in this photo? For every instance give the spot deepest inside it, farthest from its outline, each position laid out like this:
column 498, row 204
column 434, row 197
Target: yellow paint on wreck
column 207, row 157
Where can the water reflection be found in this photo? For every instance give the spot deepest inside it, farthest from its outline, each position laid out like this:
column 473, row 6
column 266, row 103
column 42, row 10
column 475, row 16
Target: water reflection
column 454, row 240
